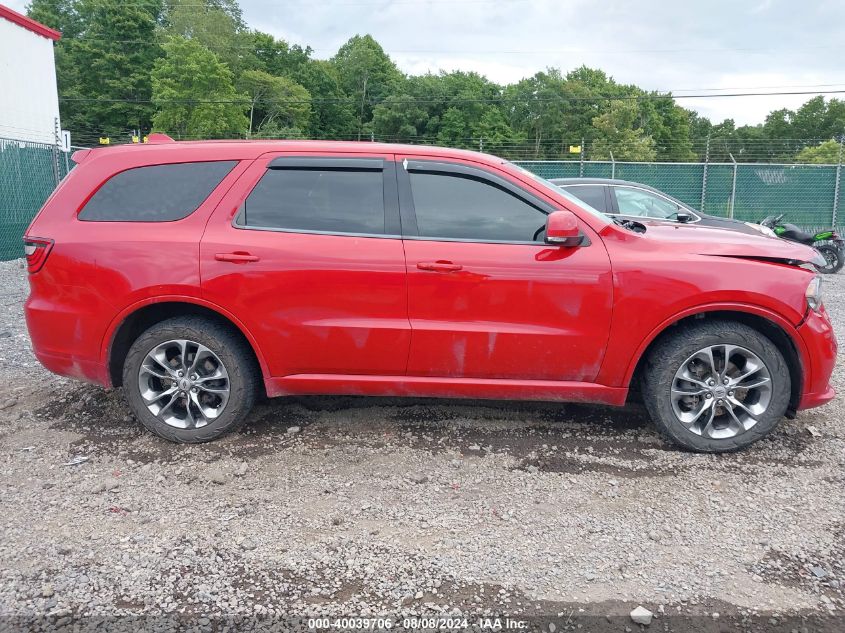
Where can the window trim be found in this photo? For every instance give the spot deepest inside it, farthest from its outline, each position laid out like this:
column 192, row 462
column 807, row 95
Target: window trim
column 235, row 163
column 309, row 163
column 410, row 228
column 387, row 167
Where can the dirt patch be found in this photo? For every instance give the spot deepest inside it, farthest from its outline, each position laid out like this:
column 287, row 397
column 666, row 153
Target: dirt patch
column 820, row 571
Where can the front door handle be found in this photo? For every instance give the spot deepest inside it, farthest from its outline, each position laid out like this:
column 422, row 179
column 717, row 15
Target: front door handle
column 238, row 257
column 440, row 266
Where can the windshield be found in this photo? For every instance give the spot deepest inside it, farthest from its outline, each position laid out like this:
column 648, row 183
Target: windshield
column 560, row 192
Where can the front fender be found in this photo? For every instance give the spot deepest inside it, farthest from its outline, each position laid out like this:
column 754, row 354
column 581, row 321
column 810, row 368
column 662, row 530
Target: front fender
column 610, row 374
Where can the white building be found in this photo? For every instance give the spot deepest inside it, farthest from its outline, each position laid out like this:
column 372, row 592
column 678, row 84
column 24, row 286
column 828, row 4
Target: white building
column 29, row 98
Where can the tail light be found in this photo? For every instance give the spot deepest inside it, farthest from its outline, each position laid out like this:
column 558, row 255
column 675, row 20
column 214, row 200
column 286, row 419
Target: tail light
column 36, row 250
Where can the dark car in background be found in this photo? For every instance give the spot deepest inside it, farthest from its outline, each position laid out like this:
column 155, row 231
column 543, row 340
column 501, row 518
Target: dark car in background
column 631, row 200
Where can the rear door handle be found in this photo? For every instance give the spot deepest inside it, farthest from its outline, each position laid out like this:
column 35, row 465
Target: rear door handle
column 238, row 257
column 440, row 266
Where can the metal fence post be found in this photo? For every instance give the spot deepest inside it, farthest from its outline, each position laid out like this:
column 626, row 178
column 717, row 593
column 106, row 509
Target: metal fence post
column 581, row 167
column 704, row 177
column 612, row 166
column 55, row 149
column 733, row 189
column 836, row 187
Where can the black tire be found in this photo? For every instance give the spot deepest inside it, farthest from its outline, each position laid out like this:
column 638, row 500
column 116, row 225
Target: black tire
column 237, row 358
column 674, row 349
column 833, row 257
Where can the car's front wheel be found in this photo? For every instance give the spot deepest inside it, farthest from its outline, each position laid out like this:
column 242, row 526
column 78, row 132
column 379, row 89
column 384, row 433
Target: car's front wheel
column 715, row 386
column 190, row 379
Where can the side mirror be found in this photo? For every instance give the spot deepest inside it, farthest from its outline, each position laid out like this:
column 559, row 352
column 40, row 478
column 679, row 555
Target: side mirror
column 683, row 217
column 562, row 229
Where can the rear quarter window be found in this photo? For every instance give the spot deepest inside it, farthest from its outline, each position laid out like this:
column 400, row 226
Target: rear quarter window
column 591, row 194
column 157, row 193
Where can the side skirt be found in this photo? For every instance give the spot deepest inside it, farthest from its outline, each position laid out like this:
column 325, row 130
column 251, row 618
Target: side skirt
column 437, row 387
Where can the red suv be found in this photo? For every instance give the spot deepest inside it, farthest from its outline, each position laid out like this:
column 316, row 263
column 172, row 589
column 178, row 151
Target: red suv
column 199, row 275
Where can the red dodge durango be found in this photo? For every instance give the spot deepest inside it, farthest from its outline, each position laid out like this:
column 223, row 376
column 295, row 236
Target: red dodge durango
column 199, row 275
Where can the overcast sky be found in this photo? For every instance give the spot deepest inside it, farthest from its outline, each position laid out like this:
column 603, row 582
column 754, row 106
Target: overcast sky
column 678, row 45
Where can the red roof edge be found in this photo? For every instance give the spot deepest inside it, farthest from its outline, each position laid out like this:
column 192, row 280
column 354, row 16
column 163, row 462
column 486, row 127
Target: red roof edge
column 28, row 23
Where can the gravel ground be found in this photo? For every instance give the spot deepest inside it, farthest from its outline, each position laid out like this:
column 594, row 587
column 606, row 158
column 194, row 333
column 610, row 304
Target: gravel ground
column 362, row 506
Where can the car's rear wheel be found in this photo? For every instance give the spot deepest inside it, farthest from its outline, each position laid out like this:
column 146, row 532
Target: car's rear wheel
column 189, row 379
column 716, row 386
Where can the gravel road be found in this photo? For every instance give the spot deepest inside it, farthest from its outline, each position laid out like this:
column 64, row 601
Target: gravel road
column 361, row 506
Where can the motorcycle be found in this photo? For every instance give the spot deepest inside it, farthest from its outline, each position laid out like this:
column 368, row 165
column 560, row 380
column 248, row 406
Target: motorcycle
column 829, row 243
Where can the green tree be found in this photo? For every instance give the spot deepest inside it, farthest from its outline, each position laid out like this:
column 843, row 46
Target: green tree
column 109, row 47
column 104, row 83
column 273, row 56
column 587, row 91
column 536, row 108
column 275, row 103
column 444, row 106
column 455, row 129
column 366, row 73
column 616, row 132
column 399, row 118
column 215, row 24
column 668, row 124
column 62, row 15
column 494, row 133
column 826, row 153
column 194, row 93
column 778, row 124
column 332, row 111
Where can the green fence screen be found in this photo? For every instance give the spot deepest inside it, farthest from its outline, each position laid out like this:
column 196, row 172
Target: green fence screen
column 28, row 174
column 747, row 191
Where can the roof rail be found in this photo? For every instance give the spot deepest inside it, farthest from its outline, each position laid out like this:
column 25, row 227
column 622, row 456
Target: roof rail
column 157, row 138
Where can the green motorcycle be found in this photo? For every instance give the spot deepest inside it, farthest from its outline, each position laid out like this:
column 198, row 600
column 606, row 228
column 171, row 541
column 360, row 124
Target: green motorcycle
column 829, row 243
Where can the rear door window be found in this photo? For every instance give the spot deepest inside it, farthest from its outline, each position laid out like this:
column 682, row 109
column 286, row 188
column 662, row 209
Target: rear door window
column 330, row 196
column 157, row 193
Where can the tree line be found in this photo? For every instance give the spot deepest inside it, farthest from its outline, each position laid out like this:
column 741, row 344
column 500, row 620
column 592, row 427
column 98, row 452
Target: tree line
column 194, row 69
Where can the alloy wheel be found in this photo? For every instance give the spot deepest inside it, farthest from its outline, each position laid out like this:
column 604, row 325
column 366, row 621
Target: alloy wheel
column 184, row 384
column 721, row 391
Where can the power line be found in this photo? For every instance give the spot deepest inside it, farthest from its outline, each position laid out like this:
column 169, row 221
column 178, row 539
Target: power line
column 559, row 51
column 500, row 99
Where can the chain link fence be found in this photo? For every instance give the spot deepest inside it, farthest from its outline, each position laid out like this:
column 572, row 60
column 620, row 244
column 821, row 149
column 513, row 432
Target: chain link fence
column 811, row 196
column 807, row 194
column 28, row 174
